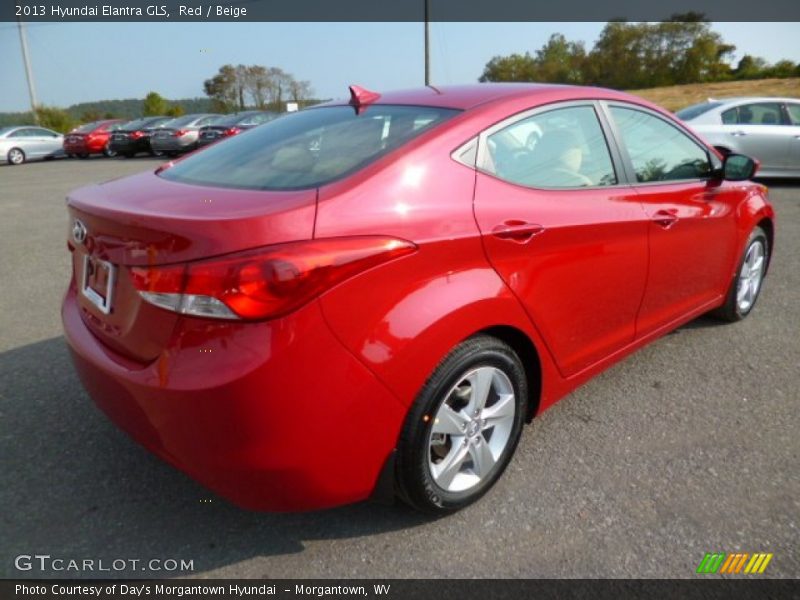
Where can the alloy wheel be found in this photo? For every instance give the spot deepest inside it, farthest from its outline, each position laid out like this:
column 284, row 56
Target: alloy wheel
column 471, row 429
column 16, row 156
column 750, row 276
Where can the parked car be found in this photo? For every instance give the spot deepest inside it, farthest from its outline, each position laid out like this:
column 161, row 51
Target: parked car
column 133, row 137
column 28, row 142
column 180, row 134
column 229, row 125
column 768, row 129
column 91, row 138
column 371, row 298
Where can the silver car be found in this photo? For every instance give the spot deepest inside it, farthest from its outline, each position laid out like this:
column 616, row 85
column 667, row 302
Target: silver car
column 767, row 129
column 19, row 144
column 180, row 134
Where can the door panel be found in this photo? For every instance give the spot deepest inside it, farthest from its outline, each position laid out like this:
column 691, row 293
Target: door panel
column 692, row 228
column 691, row 256
column 759, row 130
column 581, row 277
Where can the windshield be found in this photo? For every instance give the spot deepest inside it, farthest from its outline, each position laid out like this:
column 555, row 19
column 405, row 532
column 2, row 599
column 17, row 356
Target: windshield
column 307, row 148
column 86, row 128
column 690, row 112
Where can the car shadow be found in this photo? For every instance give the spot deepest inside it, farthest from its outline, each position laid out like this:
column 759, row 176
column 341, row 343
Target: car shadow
column 73, row 486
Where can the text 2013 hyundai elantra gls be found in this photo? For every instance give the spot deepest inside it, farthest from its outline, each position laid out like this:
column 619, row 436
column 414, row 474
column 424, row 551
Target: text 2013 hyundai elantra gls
column 374, row 296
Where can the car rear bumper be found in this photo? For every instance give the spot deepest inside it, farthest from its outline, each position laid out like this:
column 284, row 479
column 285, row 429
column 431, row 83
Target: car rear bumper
column 272, row 415
column 123, row 146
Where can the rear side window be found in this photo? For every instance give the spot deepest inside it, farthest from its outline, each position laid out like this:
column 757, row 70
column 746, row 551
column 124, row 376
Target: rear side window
column 560, row 148
column 794, row 113
column 307, row 148
column 659, row 151
column 761, row 113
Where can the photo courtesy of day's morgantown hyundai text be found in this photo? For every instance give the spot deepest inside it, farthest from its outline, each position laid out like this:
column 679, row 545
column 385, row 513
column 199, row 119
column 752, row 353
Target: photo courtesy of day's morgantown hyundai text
column 371, row 297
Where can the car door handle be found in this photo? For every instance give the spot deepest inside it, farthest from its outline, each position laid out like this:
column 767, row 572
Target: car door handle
column 516, row 230
column 665, row 218
column 739, row 133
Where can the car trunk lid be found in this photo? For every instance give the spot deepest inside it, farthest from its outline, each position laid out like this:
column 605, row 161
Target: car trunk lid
column 145, row 220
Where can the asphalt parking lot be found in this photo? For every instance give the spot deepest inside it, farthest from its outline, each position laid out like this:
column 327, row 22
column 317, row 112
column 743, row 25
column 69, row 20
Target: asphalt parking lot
column 687, row 447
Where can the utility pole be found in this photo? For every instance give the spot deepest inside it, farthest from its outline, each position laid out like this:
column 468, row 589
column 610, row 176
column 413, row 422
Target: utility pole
column 23, row 40
column 427, row 43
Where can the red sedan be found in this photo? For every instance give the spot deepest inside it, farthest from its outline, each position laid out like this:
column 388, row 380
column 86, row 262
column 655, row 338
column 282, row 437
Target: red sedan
column 372, row 297
column 91, row 138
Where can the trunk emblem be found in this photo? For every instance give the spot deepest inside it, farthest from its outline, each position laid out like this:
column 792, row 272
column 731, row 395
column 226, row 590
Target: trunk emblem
column 78, row 231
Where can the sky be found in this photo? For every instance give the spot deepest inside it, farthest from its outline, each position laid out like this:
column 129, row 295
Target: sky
column 81, row 62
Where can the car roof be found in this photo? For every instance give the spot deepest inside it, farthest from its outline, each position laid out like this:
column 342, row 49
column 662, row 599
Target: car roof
column 747, row 99
column 465, row 97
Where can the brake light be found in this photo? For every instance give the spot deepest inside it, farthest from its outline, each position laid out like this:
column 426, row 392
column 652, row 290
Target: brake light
column 231, row 131
column 181, row 132
column 266, row 282
column 135, row 135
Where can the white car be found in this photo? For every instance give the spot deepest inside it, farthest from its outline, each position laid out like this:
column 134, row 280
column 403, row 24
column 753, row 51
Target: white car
column 767, row 129
column 28, row 142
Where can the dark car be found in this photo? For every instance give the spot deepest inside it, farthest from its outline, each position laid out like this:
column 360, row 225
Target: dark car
column 180, row 134
column 133, row 137
column 232, row 124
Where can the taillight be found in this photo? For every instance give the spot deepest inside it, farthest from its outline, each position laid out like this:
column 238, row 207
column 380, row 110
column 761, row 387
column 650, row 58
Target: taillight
column 181, row 132
column 231, row 131
column 135, row 135
column 263, row 283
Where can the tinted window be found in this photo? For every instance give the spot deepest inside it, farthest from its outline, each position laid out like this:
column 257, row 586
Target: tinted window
column 794, row 113
column 86, row 128
column 21, row 133
column 41, row 132
column 761, row 113
column 659, row 151
column 306, row 148
column 690, row 112
column 561, row 148
column 179, row 121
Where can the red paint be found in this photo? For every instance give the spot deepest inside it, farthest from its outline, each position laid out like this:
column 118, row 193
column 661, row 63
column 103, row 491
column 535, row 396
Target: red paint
column 302, row 410
column 90, row 142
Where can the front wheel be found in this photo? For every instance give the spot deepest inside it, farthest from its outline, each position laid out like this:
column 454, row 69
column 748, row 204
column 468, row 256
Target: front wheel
column 746, row 286
column 463, row 428
column 15, row 156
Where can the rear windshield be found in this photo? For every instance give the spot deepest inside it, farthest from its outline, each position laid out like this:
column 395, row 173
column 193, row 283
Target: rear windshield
column 690, row 112
column 86, row 128
column 177, row 122
column 307, row 148
column 139, row 123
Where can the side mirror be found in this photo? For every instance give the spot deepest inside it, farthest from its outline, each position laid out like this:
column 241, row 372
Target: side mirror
column 738, row 167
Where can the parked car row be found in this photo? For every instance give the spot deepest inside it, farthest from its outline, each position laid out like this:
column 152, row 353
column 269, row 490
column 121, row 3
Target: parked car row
column 155, row 135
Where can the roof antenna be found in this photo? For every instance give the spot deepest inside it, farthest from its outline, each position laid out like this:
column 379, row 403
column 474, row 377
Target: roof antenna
column 360, row 97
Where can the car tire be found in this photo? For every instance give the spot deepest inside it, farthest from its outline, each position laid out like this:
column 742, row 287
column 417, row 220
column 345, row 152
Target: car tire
column 156, row 153
column 456, row 442
column 172, row 154
column 746, row 285
column 129, row 155
column 108, row 152
column 15, row 156
column 84, row 156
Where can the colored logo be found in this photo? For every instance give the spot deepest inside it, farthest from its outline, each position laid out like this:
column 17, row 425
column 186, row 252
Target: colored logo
column 736, row 563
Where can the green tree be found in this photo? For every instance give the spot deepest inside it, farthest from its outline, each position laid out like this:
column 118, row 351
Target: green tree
column 516, row 67
column 750, row 67
column 176, row 110
column 154, row 105
column 54, row 118
column 88, row 116
column 783, row 69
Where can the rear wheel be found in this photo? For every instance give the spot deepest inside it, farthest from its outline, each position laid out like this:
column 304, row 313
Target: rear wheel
column 109, row 152
column 83, row 155
column 129, row 155
column 15, row 156
column 746, row 286
column 463, row 427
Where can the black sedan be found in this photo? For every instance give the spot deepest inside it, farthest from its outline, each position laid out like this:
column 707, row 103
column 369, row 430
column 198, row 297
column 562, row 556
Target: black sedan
column 133, row 137
column 232, row 124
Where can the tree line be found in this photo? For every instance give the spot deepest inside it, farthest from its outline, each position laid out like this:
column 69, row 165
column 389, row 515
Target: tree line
column 232, row 89
column 255, row 86
column 638, row 55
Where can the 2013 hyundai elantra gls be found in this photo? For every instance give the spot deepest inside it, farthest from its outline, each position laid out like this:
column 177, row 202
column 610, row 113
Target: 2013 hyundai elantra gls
column 373, row 297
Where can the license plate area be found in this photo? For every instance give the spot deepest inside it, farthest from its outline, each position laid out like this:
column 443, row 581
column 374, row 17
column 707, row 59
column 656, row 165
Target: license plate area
column 97, row 282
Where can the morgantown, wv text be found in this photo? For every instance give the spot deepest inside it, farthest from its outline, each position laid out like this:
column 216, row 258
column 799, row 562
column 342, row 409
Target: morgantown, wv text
column 161, row 590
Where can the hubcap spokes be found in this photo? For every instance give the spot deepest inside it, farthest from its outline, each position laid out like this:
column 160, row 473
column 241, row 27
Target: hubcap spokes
column 471, row 429
column 750, row 276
